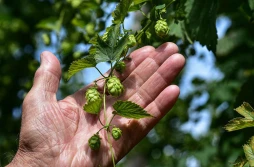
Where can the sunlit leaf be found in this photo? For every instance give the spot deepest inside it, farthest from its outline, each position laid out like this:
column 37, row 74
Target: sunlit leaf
column 239, row 123
column 80, row 64
column 249, row 151
column 93, row 107
column 129, row 109
column 246, row 110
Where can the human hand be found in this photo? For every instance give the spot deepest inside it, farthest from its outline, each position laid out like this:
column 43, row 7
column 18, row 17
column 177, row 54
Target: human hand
column 56, row 133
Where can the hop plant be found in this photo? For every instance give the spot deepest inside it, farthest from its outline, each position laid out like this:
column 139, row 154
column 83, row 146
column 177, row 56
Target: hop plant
column 114, row 86
column 120, row 66
column 161, row 28
column 92, row 95
column 132, row 40
column 116, row 133
column 94, row 142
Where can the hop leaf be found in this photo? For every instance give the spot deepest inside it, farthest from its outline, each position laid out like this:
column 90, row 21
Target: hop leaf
column 129, row 109
column 120, row 66
column 94, row 142
column 116, row 133
column 114, row 86
column 161, row 28
column 239, row 123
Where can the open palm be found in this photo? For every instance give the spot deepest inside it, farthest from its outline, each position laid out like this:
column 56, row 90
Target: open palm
column 56, row 133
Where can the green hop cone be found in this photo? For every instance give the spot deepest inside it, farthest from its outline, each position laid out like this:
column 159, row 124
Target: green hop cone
column 92, row 95
column 120, row 66
column 94, row 142
column 161, row 28
column 131, row 40
column 116, row 133
column 114, row 86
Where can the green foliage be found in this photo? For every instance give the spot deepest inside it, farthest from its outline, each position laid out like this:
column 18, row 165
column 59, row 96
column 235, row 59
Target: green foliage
column 249, row 152
column 201, row 23
column 129, row 109
column 81, row 64
column 239, row 123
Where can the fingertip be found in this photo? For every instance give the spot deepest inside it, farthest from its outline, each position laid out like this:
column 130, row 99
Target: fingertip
column 174, row 89
column 178, row 60
column 50, row 63
column 172, row 47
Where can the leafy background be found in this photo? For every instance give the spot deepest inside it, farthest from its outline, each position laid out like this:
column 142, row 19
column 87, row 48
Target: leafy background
column 209, row 98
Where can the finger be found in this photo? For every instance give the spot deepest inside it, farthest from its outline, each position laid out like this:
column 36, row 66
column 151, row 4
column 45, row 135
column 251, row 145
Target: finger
column 160, row 106
column 137, row 129
column 46, row 80
column 159, row 80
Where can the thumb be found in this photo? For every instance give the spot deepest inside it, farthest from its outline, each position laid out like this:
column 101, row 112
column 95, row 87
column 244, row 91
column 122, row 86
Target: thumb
column 46, row 79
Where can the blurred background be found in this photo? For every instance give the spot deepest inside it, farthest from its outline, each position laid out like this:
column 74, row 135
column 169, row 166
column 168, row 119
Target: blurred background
column 216, row 38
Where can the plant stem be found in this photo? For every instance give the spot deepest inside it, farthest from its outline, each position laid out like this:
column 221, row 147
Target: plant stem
column 111, row 120
column 104, row 102
column 100, row 72
column 111, row 149
column 100, row 120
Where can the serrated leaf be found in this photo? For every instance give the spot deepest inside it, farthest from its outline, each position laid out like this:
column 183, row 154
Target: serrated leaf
column 122, row 44
column 51, row 23
column 113, row 35
column 80, row 64
column 239, row 123
column 93, row 107
column 240, row 162
column 129, row 109
column 201, row 22
column 246, row 110
column 104, row 52
column 249, row 151
column 121, row 11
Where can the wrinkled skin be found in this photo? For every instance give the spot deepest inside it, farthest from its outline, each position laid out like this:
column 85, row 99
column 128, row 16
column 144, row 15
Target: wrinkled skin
column 56, row 133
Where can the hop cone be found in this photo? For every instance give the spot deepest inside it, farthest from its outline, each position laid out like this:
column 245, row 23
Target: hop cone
column 92, row 94
column 161, row 28
column 94, row 142
column 132, row 40
column 114, row 86
column 116, row 133
column 120, row 66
